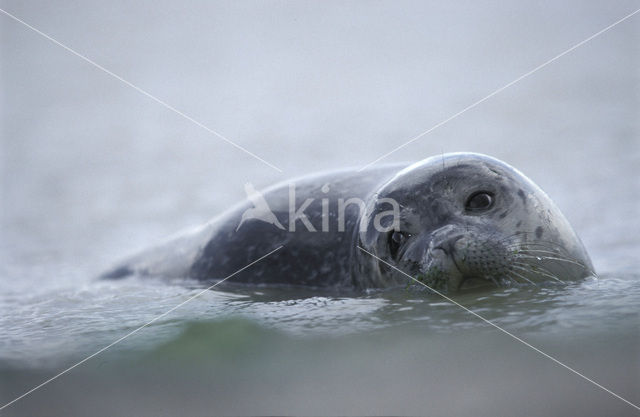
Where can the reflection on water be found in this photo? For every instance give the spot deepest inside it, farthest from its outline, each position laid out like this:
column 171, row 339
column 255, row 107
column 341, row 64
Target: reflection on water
column 97, row 313
column 286, row 351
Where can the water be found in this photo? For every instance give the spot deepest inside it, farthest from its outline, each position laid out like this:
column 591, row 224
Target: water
column 92, row 171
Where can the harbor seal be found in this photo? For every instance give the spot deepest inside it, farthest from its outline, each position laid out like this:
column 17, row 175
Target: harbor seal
column 453, row 221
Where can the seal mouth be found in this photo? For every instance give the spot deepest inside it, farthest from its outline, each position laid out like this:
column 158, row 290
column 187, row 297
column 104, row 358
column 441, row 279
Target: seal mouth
column 455, row 265
column 469, row 283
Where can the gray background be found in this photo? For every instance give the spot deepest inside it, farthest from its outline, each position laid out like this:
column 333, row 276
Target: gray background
column 307, row 86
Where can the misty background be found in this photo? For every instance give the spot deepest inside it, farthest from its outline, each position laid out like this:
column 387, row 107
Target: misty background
column 307, row 86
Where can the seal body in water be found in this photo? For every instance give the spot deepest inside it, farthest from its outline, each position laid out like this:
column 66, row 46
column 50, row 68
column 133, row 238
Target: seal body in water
column 453, row 221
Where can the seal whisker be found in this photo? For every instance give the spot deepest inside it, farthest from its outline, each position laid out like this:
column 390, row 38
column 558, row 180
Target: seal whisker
column 534, row 248
column 551, row 258
column 549, row 252
column 523, row 277
column 555, row 254
column 539, row 267
column 538, row 240
column 544, row 245
column 511, row 279
column 549, row 255
column 550, row 274
column 545, row 255
column 534, row 268
column 565, row 258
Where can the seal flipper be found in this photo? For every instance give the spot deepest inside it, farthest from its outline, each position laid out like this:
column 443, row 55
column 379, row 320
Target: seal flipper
column 171, row 259
column 117, row 273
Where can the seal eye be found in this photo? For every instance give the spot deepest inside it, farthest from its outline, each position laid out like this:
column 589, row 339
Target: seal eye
column 396, row 240
column 480, row 201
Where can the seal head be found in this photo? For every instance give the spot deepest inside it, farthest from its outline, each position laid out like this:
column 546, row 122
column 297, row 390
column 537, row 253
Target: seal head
column 467, row 220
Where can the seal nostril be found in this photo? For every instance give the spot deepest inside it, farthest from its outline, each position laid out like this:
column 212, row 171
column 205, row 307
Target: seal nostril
column 438, row 252
column 447, row 247
column 455, row 239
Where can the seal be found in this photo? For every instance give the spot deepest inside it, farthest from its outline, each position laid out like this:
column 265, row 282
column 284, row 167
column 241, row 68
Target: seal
column 454, row 222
